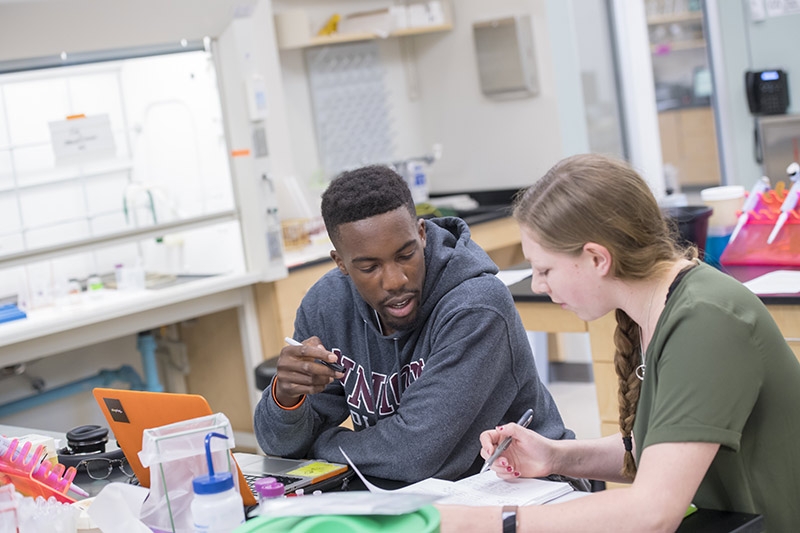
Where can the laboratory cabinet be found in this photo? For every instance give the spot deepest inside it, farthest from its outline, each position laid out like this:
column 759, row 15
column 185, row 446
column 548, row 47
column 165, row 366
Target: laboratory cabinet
column 689, row 144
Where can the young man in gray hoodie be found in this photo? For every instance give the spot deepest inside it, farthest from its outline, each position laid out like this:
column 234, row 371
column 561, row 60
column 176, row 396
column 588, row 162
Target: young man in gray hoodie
column 433, row 349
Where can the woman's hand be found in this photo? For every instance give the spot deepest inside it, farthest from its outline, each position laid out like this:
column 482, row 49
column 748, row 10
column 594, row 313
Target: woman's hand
column 528, row 455
column 299, row 373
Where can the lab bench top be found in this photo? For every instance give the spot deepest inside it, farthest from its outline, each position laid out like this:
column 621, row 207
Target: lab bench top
column 106, row 315
column 521, row 291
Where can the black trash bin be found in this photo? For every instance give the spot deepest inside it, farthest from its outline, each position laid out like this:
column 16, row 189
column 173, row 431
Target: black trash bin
column 691, row 222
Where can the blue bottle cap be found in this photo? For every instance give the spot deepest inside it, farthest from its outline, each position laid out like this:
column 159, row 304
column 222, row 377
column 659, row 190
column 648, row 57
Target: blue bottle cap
column 213, row 484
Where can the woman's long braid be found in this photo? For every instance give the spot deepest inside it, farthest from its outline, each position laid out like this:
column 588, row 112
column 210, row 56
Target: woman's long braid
column 626, row 339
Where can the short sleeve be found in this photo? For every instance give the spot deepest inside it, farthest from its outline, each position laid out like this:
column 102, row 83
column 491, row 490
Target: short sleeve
column 708, row 378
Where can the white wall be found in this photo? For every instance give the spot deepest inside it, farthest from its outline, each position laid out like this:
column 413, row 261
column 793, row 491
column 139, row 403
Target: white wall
column 488, row 144
column 435, row 97
column 748, row 45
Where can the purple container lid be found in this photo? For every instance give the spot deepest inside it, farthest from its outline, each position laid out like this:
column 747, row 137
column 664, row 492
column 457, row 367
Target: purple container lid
column 268, row 487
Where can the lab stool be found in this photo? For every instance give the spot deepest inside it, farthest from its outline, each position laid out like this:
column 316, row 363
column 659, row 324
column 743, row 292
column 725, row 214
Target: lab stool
column 265, row 371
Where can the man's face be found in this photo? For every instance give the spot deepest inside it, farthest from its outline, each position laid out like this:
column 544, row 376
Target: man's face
column 384, row 255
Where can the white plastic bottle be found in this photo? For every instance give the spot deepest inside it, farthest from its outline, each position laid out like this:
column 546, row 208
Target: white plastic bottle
column 217, row 506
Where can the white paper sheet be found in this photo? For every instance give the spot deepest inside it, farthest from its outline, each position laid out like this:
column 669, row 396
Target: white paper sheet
column 117, row 507
column 510, row 277
column 776, row 282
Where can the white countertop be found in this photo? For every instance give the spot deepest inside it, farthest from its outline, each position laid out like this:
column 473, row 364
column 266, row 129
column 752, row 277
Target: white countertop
column 114, row 314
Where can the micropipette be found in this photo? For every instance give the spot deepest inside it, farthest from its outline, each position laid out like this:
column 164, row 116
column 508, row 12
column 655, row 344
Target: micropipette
column 759, row 188
column 789, row 203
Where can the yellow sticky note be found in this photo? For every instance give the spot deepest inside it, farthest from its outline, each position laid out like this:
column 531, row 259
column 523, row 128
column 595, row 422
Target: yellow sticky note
column 317, row 468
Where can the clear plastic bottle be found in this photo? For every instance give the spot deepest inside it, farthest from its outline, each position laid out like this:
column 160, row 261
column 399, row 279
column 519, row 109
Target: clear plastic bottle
column 217, row 506
column 267, row 488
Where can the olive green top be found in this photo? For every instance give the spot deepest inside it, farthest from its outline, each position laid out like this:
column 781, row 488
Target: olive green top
column 719, row 370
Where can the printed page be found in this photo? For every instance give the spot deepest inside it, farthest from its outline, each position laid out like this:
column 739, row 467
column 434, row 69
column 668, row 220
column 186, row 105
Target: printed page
column 488, row 489
column 513, row 492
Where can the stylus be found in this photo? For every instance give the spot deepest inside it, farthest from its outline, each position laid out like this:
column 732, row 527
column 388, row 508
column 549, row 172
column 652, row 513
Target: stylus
column 336, row 367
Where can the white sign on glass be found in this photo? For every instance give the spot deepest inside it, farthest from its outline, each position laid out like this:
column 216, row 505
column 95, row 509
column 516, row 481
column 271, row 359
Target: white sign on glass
column 82, row 139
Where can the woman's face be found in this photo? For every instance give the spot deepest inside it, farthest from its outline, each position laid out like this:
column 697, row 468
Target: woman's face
column 575, row 282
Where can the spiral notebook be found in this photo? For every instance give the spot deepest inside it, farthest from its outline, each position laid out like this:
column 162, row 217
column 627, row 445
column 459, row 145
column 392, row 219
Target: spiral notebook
column 129, row 413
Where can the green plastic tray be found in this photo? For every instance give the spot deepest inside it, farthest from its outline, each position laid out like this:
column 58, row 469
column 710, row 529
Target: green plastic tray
column 425, row 520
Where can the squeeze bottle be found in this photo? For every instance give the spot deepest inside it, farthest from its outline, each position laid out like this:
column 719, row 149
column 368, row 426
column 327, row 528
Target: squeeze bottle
column 217, row 506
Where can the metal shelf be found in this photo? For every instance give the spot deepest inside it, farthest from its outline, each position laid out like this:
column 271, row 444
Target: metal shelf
column 677, row 46
column 683, row 16
column 339, row 38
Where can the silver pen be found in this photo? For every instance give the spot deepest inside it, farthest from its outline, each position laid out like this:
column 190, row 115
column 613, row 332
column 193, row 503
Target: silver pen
column 524, row 421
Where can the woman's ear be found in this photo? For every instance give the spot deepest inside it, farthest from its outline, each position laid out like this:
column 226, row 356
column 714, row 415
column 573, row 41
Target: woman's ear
column 600, row 257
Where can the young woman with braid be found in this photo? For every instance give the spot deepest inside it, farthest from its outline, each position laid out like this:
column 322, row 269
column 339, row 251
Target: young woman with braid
column 709, row 390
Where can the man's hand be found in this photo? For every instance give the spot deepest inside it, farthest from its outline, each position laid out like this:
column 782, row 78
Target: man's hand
column 299, row 373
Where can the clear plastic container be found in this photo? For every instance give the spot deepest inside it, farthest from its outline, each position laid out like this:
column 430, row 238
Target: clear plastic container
column 726, row 202
column 94, row 283
column 267, row 488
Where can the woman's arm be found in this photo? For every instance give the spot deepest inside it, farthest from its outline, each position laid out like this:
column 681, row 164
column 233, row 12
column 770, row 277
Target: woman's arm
column 668, row 478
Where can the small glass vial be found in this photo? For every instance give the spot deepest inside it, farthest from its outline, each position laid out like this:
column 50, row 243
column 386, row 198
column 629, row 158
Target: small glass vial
column 74, row 291
column 267, row 488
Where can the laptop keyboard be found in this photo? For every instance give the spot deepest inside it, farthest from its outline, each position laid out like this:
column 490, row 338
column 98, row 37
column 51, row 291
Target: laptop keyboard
column 286, row 480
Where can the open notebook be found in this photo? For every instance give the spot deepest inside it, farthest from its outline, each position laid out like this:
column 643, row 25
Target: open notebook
column 129, row 413
column 479, row 490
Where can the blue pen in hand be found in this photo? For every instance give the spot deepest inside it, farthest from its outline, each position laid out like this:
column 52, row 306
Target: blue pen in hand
column 524, row 421
column 336, row 367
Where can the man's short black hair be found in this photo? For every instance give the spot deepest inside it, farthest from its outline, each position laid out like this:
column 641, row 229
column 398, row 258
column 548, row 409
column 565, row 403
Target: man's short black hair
column 362, row 193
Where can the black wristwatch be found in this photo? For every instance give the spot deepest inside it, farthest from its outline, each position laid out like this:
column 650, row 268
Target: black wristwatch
column 510, row 519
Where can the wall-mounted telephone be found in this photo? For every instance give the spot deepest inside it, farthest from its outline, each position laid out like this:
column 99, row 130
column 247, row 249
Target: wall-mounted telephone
column 767, row 92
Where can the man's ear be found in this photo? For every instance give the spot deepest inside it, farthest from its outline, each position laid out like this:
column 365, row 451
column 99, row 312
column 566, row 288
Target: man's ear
column 339, row 262
column 600, row 257
column 421, row 230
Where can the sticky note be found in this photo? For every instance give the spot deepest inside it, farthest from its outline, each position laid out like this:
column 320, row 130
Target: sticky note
column 317, row 468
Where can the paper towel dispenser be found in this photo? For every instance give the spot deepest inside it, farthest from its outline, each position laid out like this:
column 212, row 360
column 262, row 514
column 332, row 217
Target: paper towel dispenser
column 506, row 57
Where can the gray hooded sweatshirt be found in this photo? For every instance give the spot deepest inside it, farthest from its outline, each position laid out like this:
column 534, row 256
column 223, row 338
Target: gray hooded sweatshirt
column 418, row 398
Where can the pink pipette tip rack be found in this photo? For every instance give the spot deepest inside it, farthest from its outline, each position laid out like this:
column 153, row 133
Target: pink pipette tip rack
column 32, row 476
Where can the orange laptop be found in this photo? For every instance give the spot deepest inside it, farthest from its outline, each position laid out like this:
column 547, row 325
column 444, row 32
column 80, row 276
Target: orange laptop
column 129, row 413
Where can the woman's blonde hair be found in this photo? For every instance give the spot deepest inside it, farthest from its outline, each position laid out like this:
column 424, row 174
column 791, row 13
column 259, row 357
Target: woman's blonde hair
column 595, row 198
